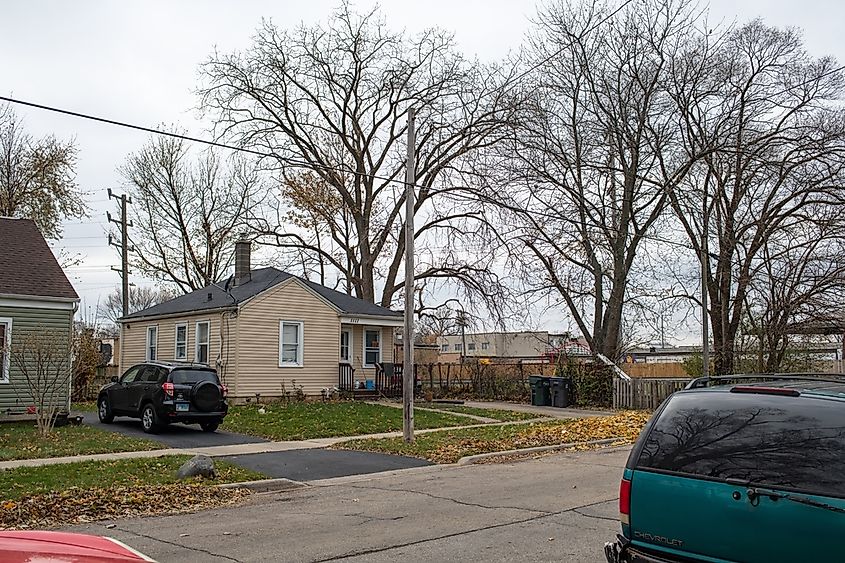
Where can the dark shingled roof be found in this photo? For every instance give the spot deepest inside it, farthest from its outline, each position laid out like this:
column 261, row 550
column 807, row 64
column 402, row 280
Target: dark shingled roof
column 27, row 266
column 261, row 280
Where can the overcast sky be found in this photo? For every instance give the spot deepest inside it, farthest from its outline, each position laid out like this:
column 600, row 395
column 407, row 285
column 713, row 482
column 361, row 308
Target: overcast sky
column 137, row 61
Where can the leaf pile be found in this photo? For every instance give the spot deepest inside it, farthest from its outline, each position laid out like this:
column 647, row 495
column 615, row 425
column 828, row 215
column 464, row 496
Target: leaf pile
column 625, row 425
column 75, row 505
column 449, row 446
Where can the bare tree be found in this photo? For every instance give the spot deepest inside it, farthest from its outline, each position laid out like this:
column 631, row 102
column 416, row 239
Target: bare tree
column 186, row 215
column 42, row 357
column 140, row 298
column 592, row 157
column 37, row 177
column 762, row 103
column 799, row 285
column 329, row 107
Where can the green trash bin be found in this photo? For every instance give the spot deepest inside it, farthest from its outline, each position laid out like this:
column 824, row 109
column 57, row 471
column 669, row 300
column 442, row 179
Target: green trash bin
column 560, row 390
column 540, row 396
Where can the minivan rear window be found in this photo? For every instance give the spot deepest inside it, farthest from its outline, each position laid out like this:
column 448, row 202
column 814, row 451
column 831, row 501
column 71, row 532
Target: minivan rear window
column 794, row 443
column 192, row 376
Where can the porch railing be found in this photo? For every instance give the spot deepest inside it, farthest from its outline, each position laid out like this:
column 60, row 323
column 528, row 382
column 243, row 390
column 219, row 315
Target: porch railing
column 345, row 377
column 387, row 380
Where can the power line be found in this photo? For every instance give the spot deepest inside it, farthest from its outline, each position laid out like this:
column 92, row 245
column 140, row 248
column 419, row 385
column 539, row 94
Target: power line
column 535, row 66
column 116, row 123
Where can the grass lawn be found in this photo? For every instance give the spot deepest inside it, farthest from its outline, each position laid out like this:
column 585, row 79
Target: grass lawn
column 301, row 421
column 20, row 440
column 448, row 446
column 496, row 414
column 70, row 493
column 21, row 481
column 83, row 406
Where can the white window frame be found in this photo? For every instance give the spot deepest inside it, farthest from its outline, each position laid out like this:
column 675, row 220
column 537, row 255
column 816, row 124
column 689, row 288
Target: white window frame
column 150, row 344
column 458, row 347
column 349, row 339
column 176, row 355
column 444, row 347
column 300, row 345
column 485, row 345
column 364, row 346
column 471, row 347
column 197, row 342
column 4, row 365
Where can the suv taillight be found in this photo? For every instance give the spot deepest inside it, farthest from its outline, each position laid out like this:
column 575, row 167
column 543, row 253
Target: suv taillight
column 625, row 501
column 225, row 390
column 167, row 387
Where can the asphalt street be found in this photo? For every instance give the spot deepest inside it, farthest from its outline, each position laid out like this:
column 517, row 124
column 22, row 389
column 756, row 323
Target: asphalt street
column 561, row 507
column 302, row 465
column 173, row 435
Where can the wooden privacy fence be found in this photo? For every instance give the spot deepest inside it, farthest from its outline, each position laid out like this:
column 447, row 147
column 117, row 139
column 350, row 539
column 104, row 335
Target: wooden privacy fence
column 634, row 393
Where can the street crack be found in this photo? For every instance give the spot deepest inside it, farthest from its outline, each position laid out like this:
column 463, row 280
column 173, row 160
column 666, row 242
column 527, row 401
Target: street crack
column 183, row 546
column 457, row 534
column 450, row 499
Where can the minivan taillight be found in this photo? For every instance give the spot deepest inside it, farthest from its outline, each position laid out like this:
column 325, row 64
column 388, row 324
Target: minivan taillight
column 167, row 387
column 225, row 390
column 625, row 501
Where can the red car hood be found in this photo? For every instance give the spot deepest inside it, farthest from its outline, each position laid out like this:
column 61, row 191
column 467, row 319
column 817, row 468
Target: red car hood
column 63, row 547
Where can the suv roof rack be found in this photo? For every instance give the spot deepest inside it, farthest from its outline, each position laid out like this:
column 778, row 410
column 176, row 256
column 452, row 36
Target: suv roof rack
column 701, row 382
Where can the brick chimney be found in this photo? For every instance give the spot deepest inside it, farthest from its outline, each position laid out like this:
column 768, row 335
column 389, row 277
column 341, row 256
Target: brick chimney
column 242, row 265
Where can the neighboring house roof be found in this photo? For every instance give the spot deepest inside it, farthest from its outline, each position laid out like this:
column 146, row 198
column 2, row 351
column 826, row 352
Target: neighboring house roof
column 27, row 265
column 260, row 280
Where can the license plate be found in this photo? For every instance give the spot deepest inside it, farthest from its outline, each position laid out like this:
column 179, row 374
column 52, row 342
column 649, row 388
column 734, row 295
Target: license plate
column 181, row 407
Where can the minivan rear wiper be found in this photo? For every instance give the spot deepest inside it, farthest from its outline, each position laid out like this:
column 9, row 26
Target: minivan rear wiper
column 754, row 491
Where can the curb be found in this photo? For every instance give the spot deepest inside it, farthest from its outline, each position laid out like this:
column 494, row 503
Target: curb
column 470, row 459
column 265, row 485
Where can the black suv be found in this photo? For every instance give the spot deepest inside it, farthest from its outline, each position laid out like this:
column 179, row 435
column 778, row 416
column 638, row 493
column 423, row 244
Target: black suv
column 160, row 393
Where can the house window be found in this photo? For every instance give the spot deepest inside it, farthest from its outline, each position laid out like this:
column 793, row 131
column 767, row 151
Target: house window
column 181, row 352
column 458, row 347
column 290, row 344
column 346, row 346
column 202, row 335
column 372, row 347
column 485, row 345
column 471, row 346
column 5, row 346
column 152, row 343
column 444, row 347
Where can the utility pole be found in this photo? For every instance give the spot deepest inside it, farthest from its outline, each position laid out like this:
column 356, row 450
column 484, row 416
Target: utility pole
column 463, row 322
column 408, row 336
column 123, row 245
column 705, row 319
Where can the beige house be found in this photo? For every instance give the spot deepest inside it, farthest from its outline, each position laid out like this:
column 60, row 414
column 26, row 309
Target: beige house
column 267, row 331
column 516, row 345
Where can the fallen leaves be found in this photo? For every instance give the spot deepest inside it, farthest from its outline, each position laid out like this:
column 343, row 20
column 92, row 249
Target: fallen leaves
column 449, row 446
column 73, row 506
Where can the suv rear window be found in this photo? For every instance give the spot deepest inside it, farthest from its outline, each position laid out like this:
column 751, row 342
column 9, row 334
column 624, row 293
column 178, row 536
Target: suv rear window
column 795, row 443
column 192, row 376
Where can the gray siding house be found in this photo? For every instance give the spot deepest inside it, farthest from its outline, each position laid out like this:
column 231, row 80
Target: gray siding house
column 35, row 298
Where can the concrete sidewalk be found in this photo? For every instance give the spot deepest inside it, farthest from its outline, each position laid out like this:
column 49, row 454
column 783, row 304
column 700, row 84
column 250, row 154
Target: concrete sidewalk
column 552, row 412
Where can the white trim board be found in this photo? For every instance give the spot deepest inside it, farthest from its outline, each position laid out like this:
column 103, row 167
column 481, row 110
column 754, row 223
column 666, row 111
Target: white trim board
column 371, row 321
column 35, row 303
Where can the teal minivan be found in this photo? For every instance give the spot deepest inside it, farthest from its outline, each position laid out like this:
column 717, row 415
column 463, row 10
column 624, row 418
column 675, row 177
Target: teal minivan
column 738, row 469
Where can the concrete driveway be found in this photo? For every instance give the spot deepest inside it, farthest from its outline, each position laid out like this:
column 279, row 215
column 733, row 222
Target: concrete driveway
column 173, row 435
column 561, row 507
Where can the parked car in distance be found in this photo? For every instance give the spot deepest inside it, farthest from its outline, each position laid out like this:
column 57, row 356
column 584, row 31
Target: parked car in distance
column 160, row 393
column 29, row 546
column 735, row 469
